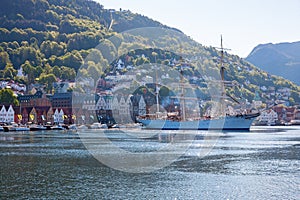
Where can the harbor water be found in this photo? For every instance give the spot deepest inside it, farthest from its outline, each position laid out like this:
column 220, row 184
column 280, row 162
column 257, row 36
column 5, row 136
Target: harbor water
column 261, row 164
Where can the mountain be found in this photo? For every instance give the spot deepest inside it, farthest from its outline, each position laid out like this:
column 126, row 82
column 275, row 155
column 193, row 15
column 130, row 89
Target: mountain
column 281, row 59
column 51, row 40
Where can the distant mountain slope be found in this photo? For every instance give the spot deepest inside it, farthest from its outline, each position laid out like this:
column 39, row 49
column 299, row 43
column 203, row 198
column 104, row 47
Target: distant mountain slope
column 281, row 59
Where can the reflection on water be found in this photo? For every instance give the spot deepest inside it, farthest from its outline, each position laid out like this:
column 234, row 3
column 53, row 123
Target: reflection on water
column 261, row 164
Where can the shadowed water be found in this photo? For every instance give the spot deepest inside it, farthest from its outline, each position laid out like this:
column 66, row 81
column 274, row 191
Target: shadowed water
column 261, row 164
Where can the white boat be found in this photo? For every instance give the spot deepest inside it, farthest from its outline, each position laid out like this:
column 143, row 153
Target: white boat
column 97, row 125
column 221, row 122
column 58, row 127
column 15, row 127
column 73, row 127
column 21, row 128
column 82, row 127
column 37, row 128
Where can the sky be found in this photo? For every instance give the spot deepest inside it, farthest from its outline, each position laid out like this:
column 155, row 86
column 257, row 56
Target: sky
column 243, row 23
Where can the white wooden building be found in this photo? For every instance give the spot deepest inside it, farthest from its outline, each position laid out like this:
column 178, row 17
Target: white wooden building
column 7, row 116
column 268, row 116
column 3, row 114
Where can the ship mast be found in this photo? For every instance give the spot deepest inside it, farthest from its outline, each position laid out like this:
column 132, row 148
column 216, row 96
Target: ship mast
column 222, row 71
column 156, row 92
column 222, row 68
column 182, row 99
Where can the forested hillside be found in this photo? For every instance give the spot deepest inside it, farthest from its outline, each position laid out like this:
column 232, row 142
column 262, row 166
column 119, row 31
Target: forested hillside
column 39, row 33
column 50, row 39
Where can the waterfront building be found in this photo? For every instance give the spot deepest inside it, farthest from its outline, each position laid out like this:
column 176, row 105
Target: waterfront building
column 297, row 114
column 61, row 116
column 49, row 115
column 63, row 101
column 37, row 105
column 7, row 115
column 33, row 116
column 268, row 117
column 3, row 114
column 56, row 116
column 119, row 109
column 24, row 116
column 142, row 106
column 29, row 100
column 124, row 116
column 291, row 113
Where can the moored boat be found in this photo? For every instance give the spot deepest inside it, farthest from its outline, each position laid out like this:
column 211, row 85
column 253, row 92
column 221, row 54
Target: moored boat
column 15, row 127
column 98, row 126
column 58, row 127
column 37, row 128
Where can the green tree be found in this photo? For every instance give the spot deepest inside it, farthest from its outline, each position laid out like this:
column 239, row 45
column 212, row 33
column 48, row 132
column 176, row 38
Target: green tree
column 48, row 80
column 4, row 59
column 29, row 70
column 38, row 71
column 56, row 71
column 47, row 69
column 108, row 50
column 93, row 71
column 20, row 55
column 71, row 59
column 49, row 48
column 7, row 97
column 9, row 71
column 68, row 73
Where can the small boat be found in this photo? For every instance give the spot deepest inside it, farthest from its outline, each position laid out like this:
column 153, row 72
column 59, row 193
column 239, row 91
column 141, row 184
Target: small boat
column 57, row 127
column 15, row 127
column 48, row 126
column 1, row 128
column 294, row 122
column 37, row 128
column 82, row 127
column 65, row 126
column 98, row 126
column 72, row 127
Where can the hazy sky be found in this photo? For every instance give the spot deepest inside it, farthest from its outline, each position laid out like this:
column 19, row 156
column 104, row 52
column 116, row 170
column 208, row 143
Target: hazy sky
column 243, row 23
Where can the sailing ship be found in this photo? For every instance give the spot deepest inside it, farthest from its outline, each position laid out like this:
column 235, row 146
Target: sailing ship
column 224, row 121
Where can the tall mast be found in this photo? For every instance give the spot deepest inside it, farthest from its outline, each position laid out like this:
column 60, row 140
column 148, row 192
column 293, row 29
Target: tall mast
column 156, row 91
column 182, row 99
column 222, row 57
column 182, row 93
column 222, row 70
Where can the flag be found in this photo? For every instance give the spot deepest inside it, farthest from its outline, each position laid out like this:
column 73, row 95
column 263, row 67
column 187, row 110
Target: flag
column 65, row 117
column 73, row 116
column 20, row 117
